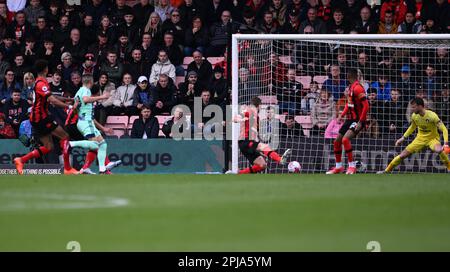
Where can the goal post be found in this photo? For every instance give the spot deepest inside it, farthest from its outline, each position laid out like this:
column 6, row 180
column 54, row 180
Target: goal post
column 301, row 81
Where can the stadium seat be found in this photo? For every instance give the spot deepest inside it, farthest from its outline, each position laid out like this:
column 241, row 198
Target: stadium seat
column 215, row 60
column 117, row 120
column 304, row 80
column 162, row 119
column 282, row 118
column 187, row 60
column 286, row 59
column 130, row 123
column 320, row 80
column 306, row 123
column 178, row 80
column 269, row 99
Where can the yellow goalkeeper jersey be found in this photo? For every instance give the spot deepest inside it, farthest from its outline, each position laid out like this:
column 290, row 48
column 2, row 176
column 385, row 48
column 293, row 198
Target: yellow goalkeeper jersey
column 427, row 125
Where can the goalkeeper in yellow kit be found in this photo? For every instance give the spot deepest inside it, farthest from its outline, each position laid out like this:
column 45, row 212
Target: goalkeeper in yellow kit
column 428, row 136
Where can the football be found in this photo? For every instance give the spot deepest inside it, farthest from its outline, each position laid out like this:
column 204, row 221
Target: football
column 294, row 167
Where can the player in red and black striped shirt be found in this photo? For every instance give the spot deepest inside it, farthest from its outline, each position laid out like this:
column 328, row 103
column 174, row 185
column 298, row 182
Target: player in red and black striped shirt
column 249, row 143
column 356, row 110
column 42, row 122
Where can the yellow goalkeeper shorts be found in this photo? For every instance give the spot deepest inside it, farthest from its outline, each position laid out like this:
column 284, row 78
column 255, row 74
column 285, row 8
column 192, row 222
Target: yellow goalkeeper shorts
column 420, row 143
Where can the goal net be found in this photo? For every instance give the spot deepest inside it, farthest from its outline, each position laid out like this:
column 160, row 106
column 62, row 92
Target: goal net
column 302, row 83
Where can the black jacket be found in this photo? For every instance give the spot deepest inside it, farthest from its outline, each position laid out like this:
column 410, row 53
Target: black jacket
column 167, row 127
column 15, row 112
column 204, row 73
column 150, row 127
column 219, row 91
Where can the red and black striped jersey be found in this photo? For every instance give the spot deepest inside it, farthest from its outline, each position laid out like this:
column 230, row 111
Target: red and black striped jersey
column 249, row 128
column 355, row 109
column 72, row 117
column 39, row 110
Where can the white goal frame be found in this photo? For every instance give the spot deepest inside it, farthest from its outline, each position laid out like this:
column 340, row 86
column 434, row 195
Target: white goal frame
column 235, row 64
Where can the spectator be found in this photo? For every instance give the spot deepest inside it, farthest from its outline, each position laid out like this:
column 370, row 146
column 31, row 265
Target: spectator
column 175, row 26
column 177, row 126
column 219, row 35
column 123, row 98
column 325, row 10
column 439, row 12
column 142, row 11
column 246, row 84
column 292, row 24
column 148, row 49
column 335, row 85
column 19, row 67
column 268, row 25
column 300, row 7
column 164, row 95
column 112, row 67
column 8, row 48
column 28, row 87
column 442, row 104
column 394, row 120
column 9, row 84
column 442, row 64
column 205, row 124
column 15, row 110
column 67, row 66
column 33, row 11
column 213, row 10
column 6, row 130
column 188, row 11
column 338, row 24
column 19, row 29
column 54, row 13
column 61, row 32
column 189, row 89
column 322, row 113
column 383, row 87
column 364, row 65
column 398, row 8
column 41, row 31
column 308, row 101
column 163, row 9
column 316, row 23
column 410, row 25
column 219, row 87
column 142, row 94
column 88, row 31
column 146, row 127
column 154, row 27
column 107, row 29
column 290, row 94
column 279, row 11
column 375, row 109
column 196, row 37
column 365, row 24
column 202, row 67
column 74, row 84
column 89, row 66
column 290, row 128
column 430, row 82
column 388, row 26
column 174, row 53
column 103, row 85
column 48, row 53
column 117, row 12
column 100, row 48
column 58, row 87
column 406, row 86
column 269, row 127
column 131, row 28
column 30, row 50
column 162, row 66
column 137, row 67
column 123, row 48
column 352, row 9
column 4, row 65
column 249, row 25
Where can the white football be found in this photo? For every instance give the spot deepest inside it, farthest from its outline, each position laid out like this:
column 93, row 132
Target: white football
column 294, row 167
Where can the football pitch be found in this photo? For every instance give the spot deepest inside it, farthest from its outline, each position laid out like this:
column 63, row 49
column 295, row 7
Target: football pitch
column 225, row 212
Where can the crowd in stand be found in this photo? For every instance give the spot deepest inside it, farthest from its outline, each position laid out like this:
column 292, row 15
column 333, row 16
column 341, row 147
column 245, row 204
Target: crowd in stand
column 136, row 51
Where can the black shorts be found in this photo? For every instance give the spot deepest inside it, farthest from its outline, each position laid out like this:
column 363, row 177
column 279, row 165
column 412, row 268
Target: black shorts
column 351, row 125
column 248, row 149
column 44, row 127
column 74, row 133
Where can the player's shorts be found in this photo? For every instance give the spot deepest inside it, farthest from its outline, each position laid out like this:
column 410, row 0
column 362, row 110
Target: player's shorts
column 249, row 150
column 88, row 129
column 44, row 127
column 351, row 125
column 74, row 133
column 420, row 143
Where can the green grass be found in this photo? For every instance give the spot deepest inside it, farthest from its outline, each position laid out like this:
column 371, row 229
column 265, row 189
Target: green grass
column 225, row 212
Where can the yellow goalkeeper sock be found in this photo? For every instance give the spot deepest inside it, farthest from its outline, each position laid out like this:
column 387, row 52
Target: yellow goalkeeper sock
column 444, row 159
column 394, row 163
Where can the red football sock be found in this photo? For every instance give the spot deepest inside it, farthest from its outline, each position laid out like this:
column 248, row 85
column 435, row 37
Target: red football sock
column 348, row 149
column 66, row 154
column 338, row 151
column 35, row 154
column 251, row 170
column 273, row 155
column 107, row 161
column 90, row 158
